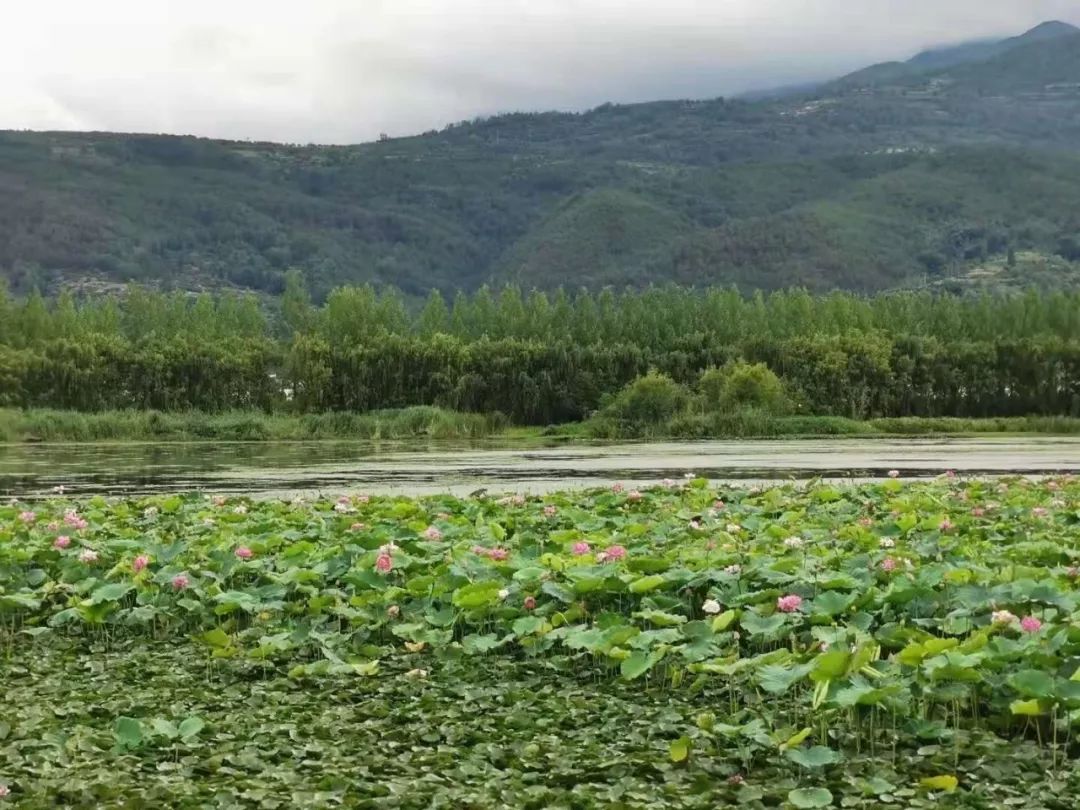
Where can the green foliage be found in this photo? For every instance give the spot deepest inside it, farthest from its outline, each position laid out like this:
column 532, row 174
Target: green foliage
column 242, row 426
column 740, row 386
column 906, row 681
column 650, row 400
column 539, row 359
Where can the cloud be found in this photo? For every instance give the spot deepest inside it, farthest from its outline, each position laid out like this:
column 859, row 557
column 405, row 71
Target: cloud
column 339, row 71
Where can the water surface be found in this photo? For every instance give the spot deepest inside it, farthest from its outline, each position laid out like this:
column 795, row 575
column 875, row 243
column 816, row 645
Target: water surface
column 29, row 471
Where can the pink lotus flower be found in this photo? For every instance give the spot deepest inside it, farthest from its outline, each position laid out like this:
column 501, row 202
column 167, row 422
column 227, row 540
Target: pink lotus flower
column 384, row 564
column 550, row 511
column 866, row 522
column 718, row 505
column 140, row 563
column 1052, row 486
column 432, row 533
column 789, row 603
column 5, row 791
column 945, row 525
column 88, row 555
column 736, row 779
column 357, row 527
column 579, row 548
column 529, row 603
column 950, row 473
column 617, row 487
column 894, row 473
column 498, row 554
column 63, row 541
column 27, row 517
column 616, row 552
column 633, row 495
column 518, row 500
column 669, row 483
column 1073, row 572
column 244, row 553
column 888, row 564
column 1029, row 624
column 393, row 611
column 180, row 582
column 978, row 511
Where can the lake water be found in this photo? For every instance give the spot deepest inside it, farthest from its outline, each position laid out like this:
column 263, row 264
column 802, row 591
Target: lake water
column 273, row 469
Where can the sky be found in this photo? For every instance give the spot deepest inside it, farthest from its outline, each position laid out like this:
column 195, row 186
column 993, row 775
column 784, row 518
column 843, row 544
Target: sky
column 344, row 71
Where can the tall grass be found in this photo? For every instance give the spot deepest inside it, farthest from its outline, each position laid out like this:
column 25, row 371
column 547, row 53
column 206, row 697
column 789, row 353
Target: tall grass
column 71, row 426
column 758, row 424
column 428, row 422
column 914, row 425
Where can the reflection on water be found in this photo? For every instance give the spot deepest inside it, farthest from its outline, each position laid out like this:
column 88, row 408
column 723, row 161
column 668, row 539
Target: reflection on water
column 278, row 468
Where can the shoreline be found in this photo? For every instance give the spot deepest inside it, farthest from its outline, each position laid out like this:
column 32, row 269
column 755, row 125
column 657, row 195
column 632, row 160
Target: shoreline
column 419, row 424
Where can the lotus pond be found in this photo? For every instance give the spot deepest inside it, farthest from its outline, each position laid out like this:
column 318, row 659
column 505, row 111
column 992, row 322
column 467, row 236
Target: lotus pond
column 685, row 646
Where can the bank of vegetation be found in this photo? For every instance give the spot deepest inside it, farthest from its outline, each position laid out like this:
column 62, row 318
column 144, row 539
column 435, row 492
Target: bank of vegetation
column 700, row 362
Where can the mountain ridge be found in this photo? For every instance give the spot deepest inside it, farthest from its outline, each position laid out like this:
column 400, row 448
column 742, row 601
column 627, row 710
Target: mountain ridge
column 963, row 53
column 825, row 190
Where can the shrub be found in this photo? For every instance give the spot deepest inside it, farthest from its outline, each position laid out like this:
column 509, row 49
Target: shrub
column 649, row 400
column 742, row 385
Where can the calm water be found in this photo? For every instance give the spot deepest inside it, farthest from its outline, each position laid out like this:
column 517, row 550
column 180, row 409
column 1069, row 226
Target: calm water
column 29, row 471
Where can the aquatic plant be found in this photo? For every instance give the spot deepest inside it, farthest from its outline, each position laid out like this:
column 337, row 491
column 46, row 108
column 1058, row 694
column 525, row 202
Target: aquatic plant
column 882, row 655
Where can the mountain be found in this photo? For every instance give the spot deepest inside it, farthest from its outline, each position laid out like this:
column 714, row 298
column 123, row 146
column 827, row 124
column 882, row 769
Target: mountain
column 863, row 185
column 981, row 50
column 966, row 53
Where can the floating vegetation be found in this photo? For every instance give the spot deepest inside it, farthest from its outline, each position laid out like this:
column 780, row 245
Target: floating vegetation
column 905, row 644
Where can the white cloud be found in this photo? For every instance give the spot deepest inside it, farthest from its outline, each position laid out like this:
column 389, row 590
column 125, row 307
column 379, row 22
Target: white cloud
column 340, row 71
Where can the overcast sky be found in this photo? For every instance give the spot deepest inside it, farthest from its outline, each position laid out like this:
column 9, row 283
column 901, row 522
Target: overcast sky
column 341, row 71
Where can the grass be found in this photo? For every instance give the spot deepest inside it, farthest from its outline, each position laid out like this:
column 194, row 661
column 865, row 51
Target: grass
column 18, row 426
column 758, row 425
column 70, row 426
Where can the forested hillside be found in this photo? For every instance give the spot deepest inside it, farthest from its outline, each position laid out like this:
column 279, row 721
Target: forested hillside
column 905, row 173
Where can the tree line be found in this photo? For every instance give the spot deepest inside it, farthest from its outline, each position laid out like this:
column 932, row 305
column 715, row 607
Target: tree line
column 539, row 358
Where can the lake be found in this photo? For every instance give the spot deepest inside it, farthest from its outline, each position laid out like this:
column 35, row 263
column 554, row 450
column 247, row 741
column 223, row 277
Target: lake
column 273, row 469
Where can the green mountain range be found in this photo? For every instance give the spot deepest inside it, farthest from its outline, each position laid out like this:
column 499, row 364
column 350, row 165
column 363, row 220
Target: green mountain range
column 900, row 174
